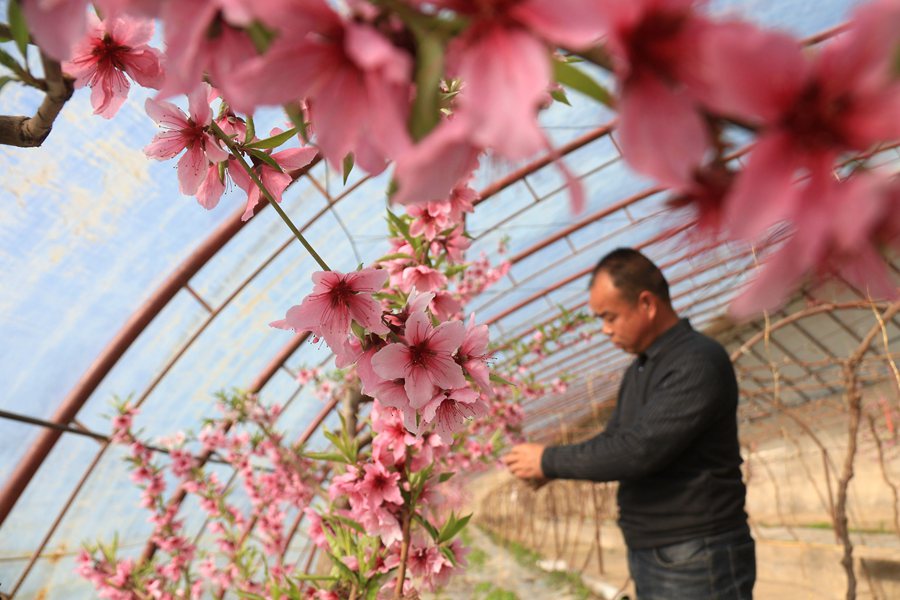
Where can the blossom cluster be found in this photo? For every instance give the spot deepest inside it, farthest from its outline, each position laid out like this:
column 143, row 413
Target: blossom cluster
column 431, row 86
column 276, row 481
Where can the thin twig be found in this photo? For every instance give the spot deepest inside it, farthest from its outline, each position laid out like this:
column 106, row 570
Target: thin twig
column 262, row 188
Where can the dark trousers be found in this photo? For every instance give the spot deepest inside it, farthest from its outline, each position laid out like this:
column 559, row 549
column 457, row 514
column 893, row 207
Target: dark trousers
column 715, row 567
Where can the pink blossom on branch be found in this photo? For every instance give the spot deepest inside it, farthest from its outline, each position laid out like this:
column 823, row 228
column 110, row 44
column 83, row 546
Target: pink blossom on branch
column 203, row 37
column 843, row 101
column 655, row 48
column 429, row 171
column 336, row 300
column 379, row 486
column 274, row 180
column 473, row 354
column 425, row 360
column 56, row 25
column 110, row 50
column 449, row 411
column 183, row 132
column 846, row 224
column 423, row 278
column 503, row 61
column 355, row 82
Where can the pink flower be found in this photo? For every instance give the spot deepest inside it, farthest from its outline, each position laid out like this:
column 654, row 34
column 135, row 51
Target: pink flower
column 505, row 66
column 506, row 73
column 389, row 392
column 455, row 245
column 438, row 162
column 275, row 181
column 845, row 100
column 392, row 437
column 380, row 485
column 182, row 132
column 336, row 300
column 111, row 49
column 428, row 220
column 462, row 200
column 203, row 37
column 845, row 225
column 425, row 360
column 57, row 25
column 423, row 278
column 210, row 190
column 655, row 45
column 445, row 306
column 473, row 354
column 424, row 560
column 356, row 84
column 379, row 521
column 449, row 410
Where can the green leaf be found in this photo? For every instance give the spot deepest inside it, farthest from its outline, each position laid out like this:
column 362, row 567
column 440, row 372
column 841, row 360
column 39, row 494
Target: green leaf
column 18, row 27
column 260, row 35
column 445, row 476
column 432, row 530
column 395, row 256
column 452, row 527
column 347, row 166
column 449, row 554
column 497, row 379
column 327, row 456
column 259, row 154
column 348, row 522
column 560, row 96
column 274, row 141
column 251, row 131
column 425, row 113
column 332, row 437
column 357, row 329
column 250, row 595
column 578, row 80
column 344, row 569
column 307, row 577
column 455, row 270
column 402, row 228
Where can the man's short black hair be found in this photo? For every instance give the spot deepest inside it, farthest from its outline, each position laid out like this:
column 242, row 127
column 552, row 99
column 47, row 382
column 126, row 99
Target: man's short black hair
column 632, row 273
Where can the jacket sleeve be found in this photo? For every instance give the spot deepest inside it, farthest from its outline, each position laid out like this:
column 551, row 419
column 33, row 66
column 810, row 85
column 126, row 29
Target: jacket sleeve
column 682, row 404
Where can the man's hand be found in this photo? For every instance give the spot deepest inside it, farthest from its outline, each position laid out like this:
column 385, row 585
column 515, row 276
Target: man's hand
column 524, row 461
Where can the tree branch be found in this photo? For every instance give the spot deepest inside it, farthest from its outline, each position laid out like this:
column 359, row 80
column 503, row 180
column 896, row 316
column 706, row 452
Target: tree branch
column 30, row 132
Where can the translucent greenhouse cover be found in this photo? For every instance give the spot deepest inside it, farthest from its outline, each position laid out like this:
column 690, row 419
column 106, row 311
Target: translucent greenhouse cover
column 90, row 227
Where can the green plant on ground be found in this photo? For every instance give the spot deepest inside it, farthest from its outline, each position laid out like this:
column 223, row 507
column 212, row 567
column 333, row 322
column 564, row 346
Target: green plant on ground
column 491, row 592
column 528, row 558
column 477, row 558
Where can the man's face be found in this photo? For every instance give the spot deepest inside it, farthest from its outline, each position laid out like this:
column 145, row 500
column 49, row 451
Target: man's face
column 628, row 325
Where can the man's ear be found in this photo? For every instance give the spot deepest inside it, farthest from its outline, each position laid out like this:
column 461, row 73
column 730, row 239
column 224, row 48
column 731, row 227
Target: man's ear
column 648, row 303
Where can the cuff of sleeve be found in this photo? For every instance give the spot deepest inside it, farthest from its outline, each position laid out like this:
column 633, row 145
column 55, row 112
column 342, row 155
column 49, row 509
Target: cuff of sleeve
column 548, row 462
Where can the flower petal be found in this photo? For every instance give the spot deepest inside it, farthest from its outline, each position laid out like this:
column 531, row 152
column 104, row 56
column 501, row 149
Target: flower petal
column 661, row 133
column 447, row 337
column 419, row 387
column 750, row 73
column 391, row 362
column 506, row 73
column 764, row 191
column 192, row 168
column 445, row 373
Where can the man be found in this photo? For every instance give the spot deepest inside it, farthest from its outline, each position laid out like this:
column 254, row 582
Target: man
column 671, row 443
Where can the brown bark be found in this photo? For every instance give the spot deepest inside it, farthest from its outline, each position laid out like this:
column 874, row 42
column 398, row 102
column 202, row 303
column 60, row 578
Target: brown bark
column 30, row 132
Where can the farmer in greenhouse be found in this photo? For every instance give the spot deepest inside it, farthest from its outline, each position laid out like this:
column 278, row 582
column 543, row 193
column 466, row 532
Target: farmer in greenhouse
column 671, row 443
